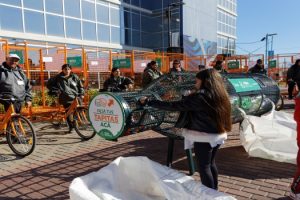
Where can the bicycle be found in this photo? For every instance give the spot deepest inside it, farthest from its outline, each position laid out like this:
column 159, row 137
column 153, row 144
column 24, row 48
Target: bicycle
column 19, row 131
column 78, row 114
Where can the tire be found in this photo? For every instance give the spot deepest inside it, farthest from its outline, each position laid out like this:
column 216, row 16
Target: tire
column 280, row 103
column 82, row 125
column 21, row 144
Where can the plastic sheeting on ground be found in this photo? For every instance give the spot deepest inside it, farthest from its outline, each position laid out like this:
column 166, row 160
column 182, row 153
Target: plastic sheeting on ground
column 138, row 178
column 272, row 136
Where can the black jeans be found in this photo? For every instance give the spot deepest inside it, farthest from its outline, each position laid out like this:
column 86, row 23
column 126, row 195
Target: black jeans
column 17, row 106
column 291, row 85
column 205, row 156
column 70, row 118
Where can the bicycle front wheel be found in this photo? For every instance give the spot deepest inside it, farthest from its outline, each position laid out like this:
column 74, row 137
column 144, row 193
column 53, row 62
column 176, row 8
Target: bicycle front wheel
column 20, row 136
column 82, row 125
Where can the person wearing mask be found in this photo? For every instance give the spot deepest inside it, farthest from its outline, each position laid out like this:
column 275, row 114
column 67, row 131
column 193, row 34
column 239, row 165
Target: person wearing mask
column 219, row 66
column 208, row 112
column 176, row 67
column 293, row 78
column 68, row 86
column 258, row 68
column 296, row 182
column 151, row 72
column 116, row 82
column 14, row 83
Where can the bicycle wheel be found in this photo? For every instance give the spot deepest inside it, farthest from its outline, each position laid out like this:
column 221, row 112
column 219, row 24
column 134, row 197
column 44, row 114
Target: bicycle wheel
column 20, row 136
column 82, row 125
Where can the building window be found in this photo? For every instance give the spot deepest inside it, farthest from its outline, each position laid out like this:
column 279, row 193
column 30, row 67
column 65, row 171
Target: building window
column 12, row 2
column 55, row 25
column 115, row 16
column 54, row 6
column 115, row 35
column 34, row 22
column 136, row 21
column 9, row 15
column 89, row 31
column 136, row 3
column 72, row 8
column 103, row 33
column 136, row 38
column 73, row 28
column 34, row 4
column 127, row 20
column 88, row 10
column 102, row 14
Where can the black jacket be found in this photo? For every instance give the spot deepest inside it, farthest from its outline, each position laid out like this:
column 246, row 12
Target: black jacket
column 201, row 114
column 294, row 73
column 69, row 87
column 14, row 83
column 257, row 70
column 116, row 84
column 173, row 69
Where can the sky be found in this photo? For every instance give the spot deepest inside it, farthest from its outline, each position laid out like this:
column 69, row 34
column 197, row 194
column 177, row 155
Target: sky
column 256, row 18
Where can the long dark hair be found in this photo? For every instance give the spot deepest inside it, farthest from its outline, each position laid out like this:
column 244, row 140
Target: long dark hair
column 213, row 85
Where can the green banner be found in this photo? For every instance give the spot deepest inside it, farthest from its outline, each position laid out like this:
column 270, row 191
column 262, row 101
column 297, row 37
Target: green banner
column 20, row 54
column 244, row 84
column 158, row 61
column 272, row 64
column 233, row 65
column 122, row 63
column 75, row 61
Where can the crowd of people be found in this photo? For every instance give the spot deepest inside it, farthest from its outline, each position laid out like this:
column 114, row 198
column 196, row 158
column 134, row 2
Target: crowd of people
column 207, row 108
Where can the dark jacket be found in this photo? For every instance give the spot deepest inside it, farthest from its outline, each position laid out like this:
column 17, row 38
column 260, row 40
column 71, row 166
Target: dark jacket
column 173, row 69
column 294, row 73
column 14, row 83
column 257, row 70
column 69, row 87
column 150, row 75
column 201, row 115
column 116, row 84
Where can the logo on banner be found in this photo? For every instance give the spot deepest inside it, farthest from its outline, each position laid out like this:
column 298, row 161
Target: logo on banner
column 107, row 116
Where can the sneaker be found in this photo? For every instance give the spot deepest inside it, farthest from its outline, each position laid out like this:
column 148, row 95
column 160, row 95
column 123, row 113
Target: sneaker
column 294, row 196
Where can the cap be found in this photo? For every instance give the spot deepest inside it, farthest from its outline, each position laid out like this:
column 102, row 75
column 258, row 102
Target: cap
column 12, row 55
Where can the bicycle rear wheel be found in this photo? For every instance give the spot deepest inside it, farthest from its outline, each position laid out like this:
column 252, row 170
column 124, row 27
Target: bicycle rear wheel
column 82, row 125
column 20, row 136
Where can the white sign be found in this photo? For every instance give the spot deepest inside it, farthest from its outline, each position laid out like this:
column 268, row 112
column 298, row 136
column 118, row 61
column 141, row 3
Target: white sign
column 94, row 63
column 47, row 59
column 107, row 116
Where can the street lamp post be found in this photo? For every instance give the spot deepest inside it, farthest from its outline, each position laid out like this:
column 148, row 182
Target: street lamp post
column 267, row 41
column 169, row 19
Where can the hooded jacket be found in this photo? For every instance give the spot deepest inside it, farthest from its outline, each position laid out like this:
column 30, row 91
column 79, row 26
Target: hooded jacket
column 149, row 75
column 14, row 83
column 70, row 87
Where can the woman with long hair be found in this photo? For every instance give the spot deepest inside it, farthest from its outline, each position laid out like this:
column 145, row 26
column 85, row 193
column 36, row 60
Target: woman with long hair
column 209, row 119
column 116, row 82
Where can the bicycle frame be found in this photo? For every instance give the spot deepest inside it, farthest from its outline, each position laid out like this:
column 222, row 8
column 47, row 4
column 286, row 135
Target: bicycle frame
column 3, row 124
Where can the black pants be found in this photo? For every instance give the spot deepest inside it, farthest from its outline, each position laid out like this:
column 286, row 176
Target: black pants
column 205, row 156
column 291, row 85
column 17, row 106
column 70, row 118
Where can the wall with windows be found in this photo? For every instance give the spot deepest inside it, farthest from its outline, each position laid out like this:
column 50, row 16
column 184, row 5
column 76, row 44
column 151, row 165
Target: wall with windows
column 145, row 24
column 227, row 15
column 83, row 22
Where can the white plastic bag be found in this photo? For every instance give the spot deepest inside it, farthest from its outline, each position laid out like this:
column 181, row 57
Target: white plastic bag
column 272, row 136
column 138, row 178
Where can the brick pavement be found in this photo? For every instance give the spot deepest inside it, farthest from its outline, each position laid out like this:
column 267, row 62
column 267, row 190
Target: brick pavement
column 60, row 157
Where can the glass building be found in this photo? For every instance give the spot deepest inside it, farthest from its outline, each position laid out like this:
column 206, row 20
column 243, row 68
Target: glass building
column 198, row 26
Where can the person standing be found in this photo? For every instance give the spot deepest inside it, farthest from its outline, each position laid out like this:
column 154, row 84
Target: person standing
column 69, row 86
column 151, row 73
column 116, row 82
column 208, row 112
column 258, row 68
column 296, row 181
column 176, row 67
column 14, row 83
column 293, row 78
